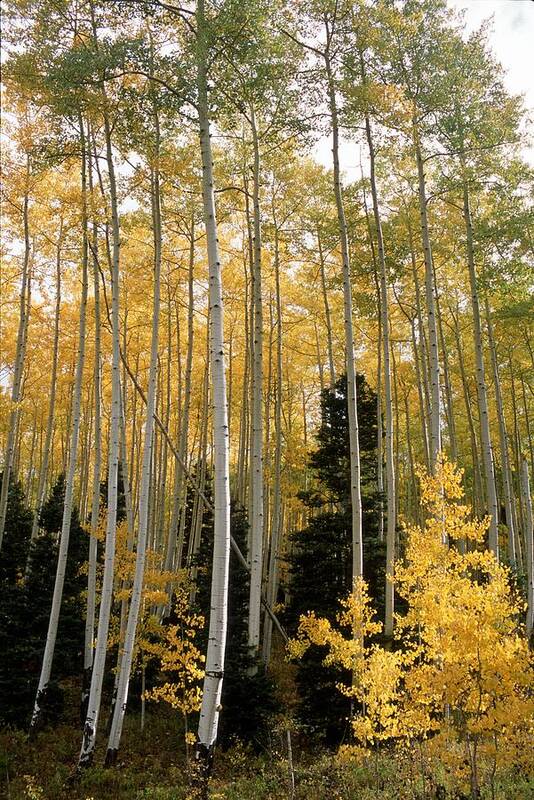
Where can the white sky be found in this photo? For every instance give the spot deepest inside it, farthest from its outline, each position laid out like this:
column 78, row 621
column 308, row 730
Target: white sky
column 512, row 39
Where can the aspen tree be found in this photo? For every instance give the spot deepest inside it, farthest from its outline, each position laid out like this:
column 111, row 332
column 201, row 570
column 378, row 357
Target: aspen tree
column 529, row 543
column 19, row 358
column 142, row 534
column 97, row 676
column 509, row 500
column 43, row 472
column 256, row 458
column 213, row 680
column 482, row 394
column 97, row 467
column 356, row 499
column 51, row 635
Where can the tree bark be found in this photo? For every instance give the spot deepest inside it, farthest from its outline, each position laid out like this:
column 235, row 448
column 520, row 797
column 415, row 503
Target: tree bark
column 53, row 622
column 435, row 406
column 482, row 395
column 213, row 680
column 354, row 445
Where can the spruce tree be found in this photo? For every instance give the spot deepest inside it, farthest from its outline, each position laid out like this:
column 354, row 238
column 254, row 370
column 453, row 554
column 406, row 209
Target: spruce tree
column 320, row 567
column 25, row 605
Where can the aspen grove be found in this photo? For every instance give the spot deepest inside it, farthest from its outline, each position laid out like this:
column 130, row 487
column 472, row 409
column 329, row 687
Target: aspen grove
column 267, row 403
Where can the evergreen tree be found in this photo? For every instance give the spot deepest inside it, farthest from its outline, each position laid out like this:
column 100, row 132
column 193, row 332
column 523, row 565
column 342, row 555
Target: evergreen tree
column 25, row 605
column 321, row 554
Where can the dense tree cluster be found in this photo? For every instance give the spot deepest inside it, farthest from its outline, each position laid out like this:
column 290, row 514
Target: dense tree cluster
column 230, row 373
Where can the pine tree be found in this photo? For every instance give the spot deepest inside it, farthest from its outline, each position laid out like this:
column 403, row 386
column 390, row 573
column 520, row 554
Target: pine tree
column 25, row 605
column 321, row 559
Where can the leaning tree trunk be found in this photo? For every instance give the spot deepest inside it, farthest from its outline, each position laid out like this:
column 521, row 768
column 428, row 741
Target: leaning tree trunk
column 213, row 679
column 137, row 588
column 95, row 494
column 256, row 458
column 354, row 445
column 276, row 524
column 435, row 406
column 390, row 466
column 19, row 366
column 482, row 394
column 53, row 622
column 99, row 661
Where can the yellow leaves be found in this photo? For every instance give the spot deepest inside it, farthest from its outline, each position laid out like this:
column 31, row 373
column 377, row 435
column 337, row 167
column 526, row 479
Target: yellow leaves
column 463, row 671
column 179, row 656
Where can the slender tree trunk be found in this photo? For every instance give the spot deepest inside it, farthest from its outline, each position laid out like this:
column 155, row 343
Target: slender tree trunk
column 390, row 466
column 48, row 656
column 509, row 500
column 435, row 407
column 485, row 435
column 173, row 555
column 327, row 315
column 256, row 459
column 449, row 407
column 529, row 544
column 276, row 531
column 356, row 499
column 213, row 680
column 97, row 676
column 95, row 495
column 43, row 473
column 137, row 589
column 19, row 363
column 477, row 478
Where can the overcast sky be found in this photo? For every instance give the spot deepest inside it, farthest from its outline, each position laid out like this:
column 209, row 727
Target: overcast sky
column 512, row 38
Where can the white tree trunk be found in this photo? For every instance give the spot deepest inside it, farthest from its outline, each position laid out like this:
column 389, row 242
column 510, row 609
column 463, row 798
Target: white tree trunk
column 97, row 676
column 95, row 494
column 43, row 472
column 256, row 458
column 48, row 656
column 509, row 500
column 137, row 588
column 19, row 366
column 529, row 543
column 390, row 466
column 328, row 318
column 435, row 406
column 482, row 394
column 213, row 680
column 276, row 525
column 355, row 487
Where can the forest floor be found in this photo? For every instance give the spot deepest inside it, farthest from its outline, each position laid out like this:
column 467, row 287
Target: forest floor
column 152, row 766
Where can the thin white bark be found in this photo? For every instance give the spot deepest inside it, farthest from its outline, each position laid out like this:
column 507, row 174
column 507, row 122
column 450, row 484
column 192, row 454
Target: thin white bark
column 355, row 487
column 390, row 465
column 53, row 622
column 19, row 364
column 509, row 500
column 435, row 405
column 213, row 680
column 482, row 394
column 256, row 458
column 137, row 588
column 276, row 525
column 43, row 473
column 97, row 677
column 95, row 492
column 529, row 543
